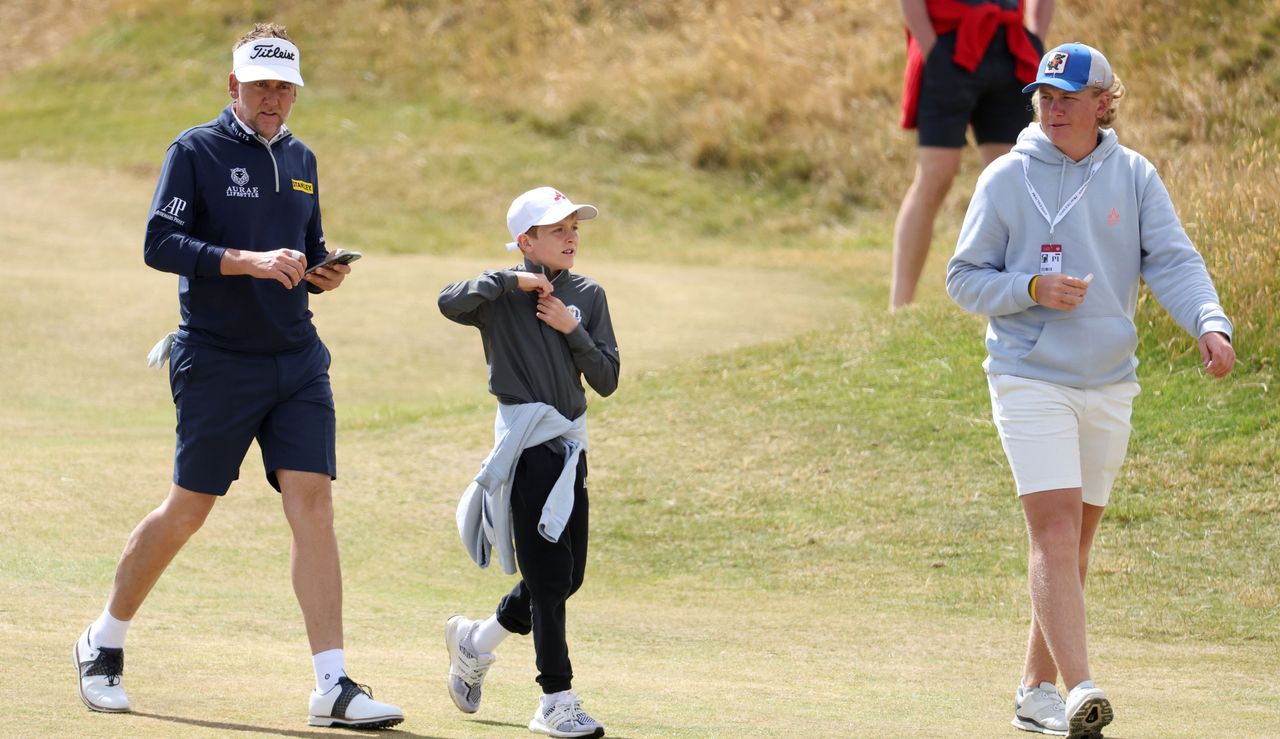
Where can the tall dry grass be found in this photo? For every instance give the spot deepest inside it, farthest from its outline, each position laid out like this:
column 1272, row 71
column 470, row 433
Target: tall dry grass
column 801, row 95
column 804, row 96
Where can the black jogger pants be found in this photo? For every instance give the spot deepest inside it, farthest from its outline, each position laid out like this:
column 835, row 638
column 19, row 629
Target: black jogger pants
column 550, row 571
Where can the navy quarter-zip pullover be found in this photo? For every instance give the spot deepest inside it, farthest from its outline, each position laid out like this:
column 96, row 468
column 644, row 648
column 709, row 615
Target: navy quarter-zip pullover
column 222, row 188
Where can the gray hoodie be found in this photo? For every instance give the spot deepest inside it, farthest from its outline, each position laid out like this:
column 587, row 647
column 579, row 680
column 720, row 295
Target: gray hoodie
column 530, row 362
column 1122, row 229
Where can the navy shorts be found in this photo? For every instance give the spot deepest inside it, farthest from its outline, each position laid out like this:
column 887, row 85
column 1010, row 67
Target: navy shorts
column 990, row 98
column 226, row 399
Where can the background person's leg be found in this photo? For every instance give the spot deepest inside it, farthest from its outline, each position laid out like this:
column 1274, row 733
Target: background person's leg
column 936, row 169
column 991, row 152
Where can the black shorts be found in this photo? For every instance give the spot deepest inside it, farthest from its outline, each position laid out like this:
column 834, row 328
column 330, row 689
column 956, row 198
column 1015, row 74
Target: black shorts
column 990, row 98
column 227, row 399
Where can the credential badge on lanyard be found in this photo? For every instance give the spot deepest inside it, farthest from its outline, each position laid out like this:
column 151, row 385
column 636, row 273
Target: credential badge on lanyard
column 1051, row 254
column 1050, row 259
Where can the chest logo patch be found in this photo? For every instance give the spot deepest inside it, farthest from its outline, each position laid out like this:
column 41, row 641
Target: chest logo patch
column 304, row 186
column 1113, row 217
column 575, row 312
column 240, row 175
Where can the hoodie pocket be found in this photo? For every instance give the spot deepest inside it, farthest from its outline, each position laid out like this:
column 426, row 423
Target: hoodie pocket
column 1090, row 347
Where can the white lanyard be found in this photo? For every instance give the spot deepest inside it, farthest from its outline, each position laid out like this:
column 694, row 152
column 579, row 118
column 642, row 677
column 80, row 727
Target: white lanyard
column 1067, row 206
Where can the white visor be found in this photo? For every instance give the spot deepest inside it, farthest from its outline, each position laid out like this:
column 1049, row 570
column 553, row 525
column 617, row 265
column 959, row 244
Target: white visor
column 267, row 59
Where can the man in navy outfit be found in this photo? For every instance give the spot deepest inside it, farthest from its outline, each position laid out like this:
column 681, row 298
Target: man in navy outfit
column 236, row 215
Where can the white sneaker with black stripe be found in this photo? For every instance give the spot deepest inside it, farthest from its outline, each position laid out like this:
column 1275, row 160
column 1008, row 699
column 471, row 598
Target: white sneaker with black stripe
column 350, row 705
column 1040, row 709
column 1088, row 710
column 101, row 675
column 564, row 718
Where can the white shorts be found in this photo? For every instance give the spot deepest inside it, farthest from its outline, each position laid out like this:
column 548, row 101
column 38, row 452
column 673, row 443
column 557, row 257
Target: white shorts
column 1062, row 437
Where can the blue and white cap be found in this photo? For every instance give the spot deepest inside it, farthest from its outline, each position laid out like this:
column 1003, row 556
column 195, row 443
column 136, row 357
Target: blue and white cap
column 1073, row 67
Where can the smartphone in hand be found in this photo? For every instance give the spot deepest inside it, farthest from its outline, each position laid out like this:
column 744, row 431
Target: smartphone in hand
column 341, row 256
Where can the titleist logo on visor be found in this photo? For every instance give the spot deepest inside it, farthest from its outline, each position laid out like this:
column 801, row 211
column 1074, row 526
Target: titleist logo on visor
column 270, row 51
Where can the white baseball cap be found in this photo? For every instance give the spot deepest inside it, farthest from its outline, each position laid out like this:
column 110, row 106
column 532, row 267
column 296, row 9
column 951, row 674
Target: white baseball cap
column 542, row 206
column 267, row 59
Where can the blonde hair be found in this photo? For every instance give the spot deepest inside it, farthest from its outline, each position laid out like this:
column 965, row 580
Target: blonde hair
column 1107, row 119
column 263, row 30
column 1117, row 90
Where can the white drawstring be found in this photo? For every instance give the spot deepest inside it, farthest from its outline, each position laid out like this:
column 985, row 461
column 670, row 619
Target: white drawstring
column 1062, row 176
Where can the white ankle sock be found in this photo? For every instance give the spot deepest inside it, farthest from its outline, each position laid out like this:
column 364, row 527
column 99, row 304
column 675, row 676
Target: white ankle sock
column 488, row 635
column 330, row 666
column 108, row 631
column 549, row 699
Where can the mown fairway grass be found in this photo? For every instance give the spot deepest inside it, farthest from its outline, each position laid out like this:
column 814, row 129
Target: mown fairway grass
column 802, row 523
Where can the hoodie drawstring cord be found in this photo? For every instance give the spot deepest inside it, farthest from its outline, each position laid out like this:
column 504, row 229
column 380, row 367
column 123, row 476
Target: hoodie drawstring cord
column 1062, row 176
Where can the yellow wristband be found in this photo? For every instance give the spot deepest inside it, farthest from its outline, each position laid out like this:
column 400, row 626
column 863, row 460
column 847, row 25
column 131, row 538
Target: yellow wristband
column 1032, row 287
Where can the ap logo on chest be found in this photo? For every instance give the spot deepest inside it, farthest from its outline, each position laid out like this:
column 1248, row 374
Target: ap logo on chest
column 573, row 311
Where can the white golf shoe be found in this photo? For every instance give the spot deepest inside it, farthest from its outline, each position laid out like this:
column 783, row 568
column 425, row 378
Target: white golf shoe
column 350, row 705
column 1040, row 709
column 100, row 672
column 1088, row 710
column 467, row 667
column 564, row 718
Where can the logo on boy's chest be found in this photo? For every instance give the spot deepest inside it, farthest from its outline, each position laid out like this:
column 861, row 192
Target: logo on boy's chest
column 575, row 312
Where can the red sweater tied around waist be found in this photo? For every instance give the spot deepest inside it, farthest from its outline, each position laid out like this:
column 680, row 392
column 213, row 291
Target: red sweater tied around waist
column 975, row 26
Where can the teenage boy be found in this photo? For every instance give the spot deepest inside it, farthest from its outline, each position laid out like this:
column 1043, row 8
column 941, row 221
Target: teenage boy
column 236, row 215
column 544, row 328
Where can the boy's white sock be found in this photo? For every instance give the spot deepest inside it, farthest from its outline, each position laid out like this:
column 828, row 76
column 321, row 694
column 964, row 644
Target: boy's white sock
column 330, row 666
column 549, row 699
column 108, row 631
column 488, row 635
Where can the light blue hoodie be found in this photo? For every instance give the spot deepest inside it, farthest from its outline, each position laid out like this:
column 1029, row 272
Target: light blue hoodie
column 1123, row 228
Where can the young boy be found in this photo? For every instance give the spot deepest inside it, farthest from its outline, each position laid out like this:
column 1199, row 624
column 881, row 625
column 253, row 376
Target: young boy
column 544, row 328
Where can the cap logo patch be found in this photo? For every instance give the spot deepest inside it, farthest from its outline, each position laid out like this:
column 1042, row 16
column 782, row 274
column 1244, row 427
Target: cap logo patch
column 559, row 196
column 1057, row 63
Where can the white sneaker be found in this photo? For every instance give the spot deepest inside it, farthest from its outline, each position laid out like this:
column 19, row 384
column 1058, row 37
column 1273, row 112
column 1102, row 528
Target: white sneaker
column 467, row 667
column 1040, row 709
column 1088, row 710
column 564, row 718
column 101, row 676
column 351, row 705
